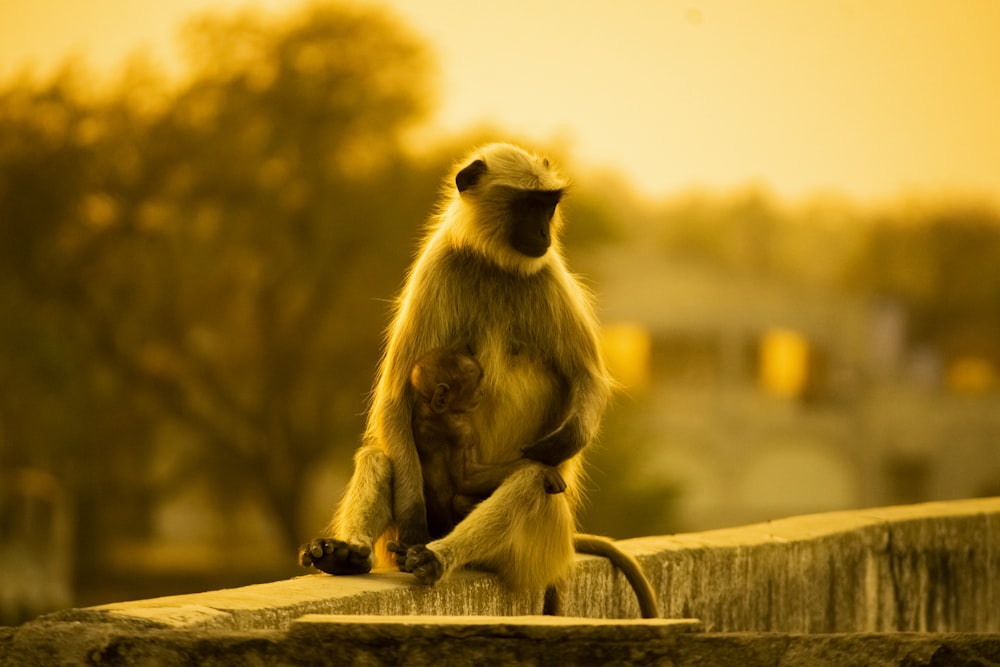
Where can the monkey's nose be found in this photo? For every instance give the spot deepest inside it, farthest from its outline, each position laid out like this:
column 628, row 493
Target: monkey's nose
column 543, row 232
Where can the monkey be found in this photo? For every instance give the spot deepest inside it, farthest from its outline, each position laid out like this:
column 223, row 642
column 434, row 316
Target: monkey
column 489, row 277
column 446, row 383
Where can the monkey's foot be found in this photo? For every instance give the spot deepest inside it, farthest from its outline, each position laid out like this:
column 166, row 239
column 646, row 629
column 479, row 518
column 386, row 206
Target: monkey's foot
column 424, row 564
column 336, row 556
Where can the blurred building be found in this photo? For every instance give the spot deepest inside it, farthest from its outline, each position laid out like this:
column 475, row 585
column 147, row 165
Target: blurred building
column 759, row 398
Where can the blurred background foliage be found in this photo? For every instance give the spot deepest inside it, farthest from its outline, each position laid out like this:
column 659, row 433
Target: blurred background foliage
column 194, row 289
column 194, row 279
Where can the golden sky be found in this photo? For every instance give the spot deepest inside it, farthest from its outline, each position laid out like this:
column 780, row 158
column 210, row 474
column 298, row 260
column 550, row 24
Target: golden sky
column 866, row 97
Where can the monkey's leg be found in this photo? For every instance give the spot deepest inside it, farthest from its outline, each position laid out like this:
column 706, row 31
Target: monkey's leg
column 472, row 478
column 482, row 479
column 362, row 516
column 520, row 532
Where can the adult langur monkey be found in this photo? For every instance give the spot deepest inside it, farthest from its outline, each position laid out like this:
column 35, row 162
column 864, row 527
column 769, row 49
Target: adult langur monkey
column 489, row 279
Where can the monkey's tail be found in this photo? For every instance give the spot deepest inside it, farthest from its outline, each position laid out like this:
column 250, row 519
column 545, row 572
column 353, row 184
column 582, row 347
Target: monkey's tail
column 596, row 545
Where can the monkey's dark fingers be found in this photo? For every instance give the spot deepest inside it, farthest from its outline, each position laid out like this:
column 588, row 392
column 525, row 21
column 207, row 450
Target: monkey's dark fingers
column 321, row 547
column 553, row 481
column 336, row 556
column 311, row 551
column 357, row 555
column 346, row 551
column 424, row 564
column 305, row 555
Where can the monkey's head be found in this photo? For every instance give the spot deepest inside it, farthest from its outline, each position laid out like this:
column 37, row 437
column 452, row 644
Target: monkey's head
column 507, row 206
column 448, row 381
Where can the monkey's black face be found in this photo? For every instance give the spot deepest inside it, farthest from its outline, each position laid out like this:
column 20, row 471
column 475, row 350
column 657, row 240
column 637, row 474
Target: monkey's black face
column 531, row 214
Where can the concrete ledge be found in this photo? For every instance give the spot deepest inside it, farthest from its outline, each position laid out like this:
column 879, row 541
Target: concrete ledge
column 847, row 583
column 933, row 567
column 408, row 628
column 274, row 605
column 474, row 641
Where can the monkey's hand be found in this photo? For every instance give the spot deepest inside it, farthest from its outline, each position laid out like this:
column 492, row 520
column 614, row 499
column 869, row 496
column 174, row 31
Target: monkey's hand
column 412, row 530
column 556, row 447
column 398, row 549
column 553, row 481
column 424, row 564
column 335, row 556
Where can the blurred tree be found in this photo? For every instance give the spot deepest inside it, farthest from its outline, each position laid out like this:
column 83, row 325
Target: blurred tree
column 943, row 264
column 49, row 404
column 214, row 262
column 751, row 233
column 738, row 232
column 267, row 239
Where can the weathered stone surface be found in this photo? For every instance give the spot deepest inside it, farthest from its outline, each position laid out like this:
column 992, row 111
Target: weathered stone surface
column 837, row 650
column 486, row 640
column 933, row 567
column 515, row 627
column 276, row 604
column 477, row 641
column 914, row 585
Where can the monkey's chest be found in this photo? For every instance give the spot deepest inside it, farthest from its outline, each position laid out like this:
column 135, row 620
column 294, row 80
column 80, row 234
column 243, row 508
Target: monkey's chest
column 514, row 327
column 489, row 307
column 522, row 398
column 508, row 333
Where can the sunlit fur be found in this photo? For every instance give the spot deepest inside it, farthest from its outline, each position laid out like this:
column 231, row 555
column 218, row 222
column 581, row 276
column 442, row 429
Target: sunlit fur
column 472, row 219
column 532, row 328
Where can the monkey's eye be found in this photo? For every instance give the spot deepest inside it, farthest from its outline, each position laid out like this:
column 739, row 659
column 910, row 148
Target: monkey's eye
column 542, row 201
column 548, row 198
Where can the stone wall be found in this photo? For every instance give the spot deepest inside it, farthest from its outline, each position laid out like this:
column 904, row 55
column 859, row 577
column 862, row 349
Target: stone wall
column 933, row 567
column 840, row 588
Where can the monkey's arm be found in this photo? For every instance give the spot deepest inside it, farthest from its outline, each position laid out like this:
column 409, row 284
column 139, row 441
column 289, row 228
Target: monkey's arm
column 416, row 328
column 562, row 444
column 589, row 391
column 409, row 508
column 390, row 427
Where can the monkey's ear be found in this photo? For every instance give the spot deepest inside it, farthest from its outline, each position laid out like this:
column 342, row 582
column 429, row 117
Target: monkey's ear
column 470, row 175
column 439, row 401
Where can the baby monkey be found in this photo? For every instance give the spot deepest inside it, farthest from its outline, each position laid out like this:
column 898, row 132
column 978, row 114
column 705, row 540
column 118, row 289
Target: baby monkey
column 447, row 388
